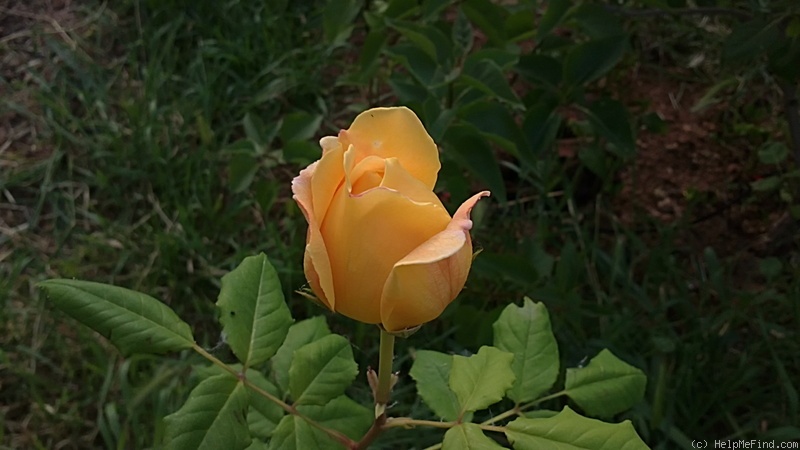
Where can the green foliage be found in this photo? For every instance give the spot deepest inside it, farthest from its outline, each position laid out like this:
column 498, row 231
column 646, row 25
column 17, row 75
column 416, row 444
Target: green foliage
column 606, row 386
column 214, row 416
column 321, row 370
column 467, row 436
column 569, row 430
column 472, row 98
column 232, row 404
column 134, row 322
column 253, row 314
column 481, row 379
column 299, row 334
column 431, row 371
column 525, row 332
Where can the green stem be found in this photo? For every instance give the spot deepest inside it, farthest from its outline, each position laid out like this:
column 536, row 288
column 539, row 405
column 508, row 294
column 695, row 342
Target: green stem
column 408, row 422
column 384, row 390
column 340, row 437
column 541, row 400
column 517, row 409
column 511, row 412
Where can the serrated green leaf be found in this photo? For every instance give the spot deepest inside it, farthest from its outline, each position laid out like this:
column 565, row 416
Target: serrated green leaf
column 294, row 433
column 213, row 417
column 469, row 148
column 468, row 436
column 259, row 425
column 611, row 120
column 525, row 332
column 589, row 61
column 481, row 379
column 571, row 431
column 257, row 445
column 300, row 334
column 134, row 322
column 431, row 371
column 264, row 414
column 322, row 370
column 253, row 313
column 342, row 414
column 606, row 386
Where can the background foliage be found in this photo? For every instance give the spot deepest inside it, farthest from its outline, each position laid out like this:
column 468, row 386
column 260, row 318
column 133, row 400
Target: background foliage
column 150, row 145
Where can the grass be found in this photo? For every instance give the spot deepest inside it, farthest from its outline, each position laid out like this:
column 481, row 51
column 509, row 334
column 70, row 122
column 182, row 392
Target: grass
column 133, row 181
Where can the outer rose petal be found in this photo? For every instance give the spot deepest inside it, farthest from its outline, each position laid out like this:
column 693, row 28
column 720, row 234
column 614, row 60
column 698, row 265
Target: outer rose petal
column 316, row 263
column 395, row 133
column 367, row 233
column 327, row 176
column 424, row 282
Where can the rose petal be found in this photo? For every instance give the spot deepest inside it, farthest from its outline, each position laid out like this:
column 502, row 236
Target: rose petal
column 327, row 177
column 424, row 282
column 395, row 133
column 316, row 263
column 367, row 234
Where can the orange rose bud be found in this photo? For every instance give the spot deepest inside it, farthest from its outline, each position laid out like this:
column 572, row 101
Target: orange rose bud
column 381, row 248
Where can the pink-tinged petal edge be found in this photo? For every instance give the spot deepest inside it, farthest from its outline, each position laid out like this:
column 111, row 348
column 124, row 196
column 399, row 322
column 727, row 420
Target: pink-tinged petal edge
column 425, row 281
column 316, row 262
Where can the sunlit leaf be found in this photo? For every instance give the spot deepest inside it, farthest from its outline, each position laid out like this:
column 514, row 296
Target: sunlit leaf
column 571, row 431
column 468, row 436
column 606, row 386
column 431, row 371
column 134, row 322
column 525, row 332
column 300, row 334
column 253, row 313
column 264, row 414
column 294, row 433
column 342, row 414
column 481, row 379
column 213, row 417
column 322, row 370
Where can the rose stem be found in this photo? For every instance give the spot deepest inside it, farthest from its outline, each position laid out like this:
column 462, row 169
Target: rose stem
column 383, row 392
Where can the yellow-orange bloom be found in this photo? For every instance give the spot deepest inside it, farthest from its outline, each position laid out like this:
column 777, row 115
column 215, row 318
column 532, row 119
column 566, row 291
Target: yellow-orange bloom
column 380, row 247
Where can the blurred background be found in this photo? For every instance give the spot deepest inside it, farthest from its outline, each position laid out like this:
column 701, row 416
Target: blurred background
column 643, row 158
